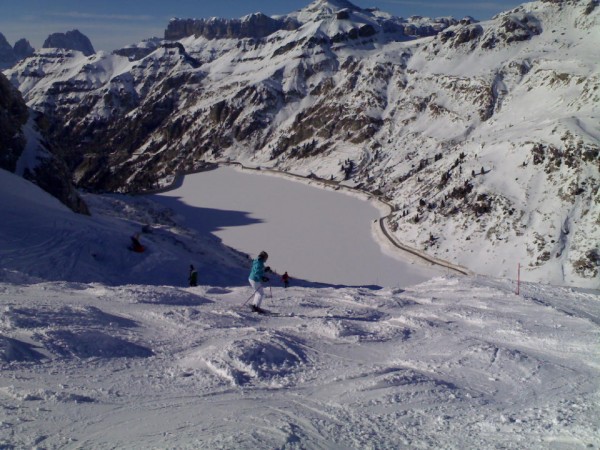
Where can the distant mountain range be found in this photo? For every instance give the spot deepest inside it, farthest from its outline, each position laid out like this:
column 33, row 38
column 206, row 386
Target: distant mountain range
column 71, row 40
column 484, row 135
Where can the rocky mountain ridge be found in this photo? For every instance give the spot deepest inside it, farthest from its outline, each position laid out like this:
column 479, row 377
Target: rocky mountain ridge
column 483, row 136
column 24, row 151
column 10, row 55
column 258, row 26
column 71, row 40
column 254, row 26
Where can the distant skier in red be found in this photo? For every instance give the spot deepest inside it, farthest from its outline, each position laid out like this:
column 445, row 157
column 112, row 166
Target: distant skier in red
column 136, row 246
column 286, row 279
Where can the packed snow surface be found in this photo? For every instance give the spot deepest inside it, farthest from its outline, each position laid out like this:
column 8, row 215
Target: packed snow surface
column 98, row 361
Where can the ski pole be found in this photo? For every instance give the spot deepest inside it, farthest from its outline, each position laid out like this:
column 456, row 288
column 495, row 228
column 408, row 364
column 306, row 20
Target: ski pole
column 249, row 298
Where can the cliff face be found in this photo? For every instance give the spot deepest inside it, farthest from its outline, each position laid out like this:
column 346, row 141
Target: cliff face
column 253, row 26
column 23, row 49
column 24, row 151
column 13, row 117
column 258, row 26
column 7, row 54
column 483, row 137
column 71, row 40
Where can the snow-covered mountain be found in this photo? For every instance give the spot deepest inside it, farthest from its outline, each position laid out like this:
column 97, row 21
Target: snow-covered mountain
column 101, row 347
column 485, row 136
column 342, row 21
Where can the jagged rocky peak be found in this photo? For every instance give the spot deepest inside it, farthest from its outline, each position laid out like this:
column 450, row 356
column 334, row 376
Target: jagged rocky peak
column 7, row 54
column 71, row 40
column 23, row 49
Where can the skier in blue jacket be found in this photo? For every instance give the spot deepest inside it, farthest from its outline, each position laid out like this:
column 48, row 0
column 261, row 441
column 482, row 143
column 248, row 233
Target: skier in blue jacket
column 257, row 278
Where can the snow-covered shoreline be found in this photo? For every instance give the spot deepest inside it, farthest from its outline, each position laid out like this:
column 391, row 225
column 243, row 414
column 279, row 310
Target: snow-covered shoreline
column 381, row 232
column 314, row 234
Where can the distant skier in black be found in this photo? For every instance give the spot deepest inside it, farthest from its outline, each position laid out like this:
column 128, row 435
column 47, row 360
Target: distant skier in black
column 193, row 278
column 286, row 280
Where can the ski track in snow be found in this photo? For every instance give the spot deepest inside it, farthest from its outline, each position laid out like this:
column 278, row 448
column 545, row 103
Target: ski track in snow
column 451, row 363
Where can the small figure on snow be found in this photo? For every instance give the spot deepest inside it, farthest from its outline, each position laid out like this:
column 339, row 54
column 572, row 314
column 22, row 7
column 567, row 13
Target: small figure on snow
column 257, row 278
column 193, row 278
column 136, row 246
column 286, row 280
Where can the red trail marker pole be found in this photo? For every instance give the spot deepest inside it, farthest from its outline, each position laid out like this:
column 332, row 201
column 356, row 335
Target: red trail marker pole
column 518, row 278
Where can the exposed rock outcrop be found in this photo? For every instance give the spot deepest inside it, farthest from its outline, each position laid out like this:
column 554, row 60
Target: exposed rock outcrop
column 253, row 26
column 44, row 167
column 71, row 40
column 13, row 117
column 7, row 54
column 23, row 49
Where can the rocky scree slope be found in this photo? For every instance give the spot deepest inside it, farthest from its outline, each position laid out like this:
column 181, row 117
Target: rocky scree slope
column 484, row 137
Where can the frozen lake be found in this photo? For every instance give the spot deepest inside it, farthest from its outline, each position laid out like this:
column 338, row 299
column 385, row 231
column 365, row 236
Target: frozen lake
column 312, row 233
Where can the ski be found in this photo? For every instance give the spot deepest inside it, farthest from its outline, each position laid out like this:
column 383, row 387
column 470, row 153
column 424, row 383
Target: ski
column 258, row 310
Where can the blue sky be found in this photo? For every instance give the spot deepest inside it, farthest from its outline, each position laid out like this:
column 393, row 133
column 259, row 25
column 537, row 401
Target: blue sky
column 112, row 24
